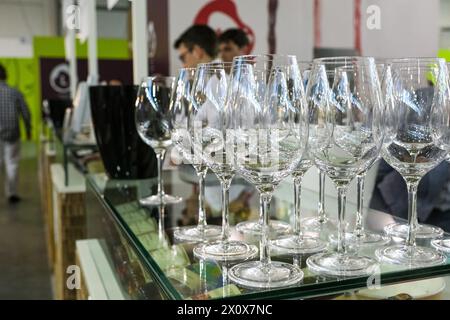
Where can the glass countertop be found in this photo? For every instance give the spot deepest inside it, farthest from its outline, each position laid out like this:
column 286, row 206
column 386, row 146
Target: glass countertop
column 181, row 276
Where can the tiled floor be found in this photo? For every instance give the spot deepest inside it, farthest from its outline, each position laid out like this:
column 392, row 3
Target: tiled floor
column 24, row 270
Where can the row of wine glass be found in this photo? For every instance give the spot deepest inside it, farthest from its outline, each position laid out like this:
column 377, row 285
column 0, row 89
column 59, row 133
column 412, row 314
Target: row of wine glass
column 266, row 117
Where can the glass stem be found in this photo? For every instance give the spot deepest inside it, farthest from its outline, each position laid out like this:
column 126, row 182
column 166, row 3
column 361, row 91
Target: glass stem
column 342, row 198
column 201, row 203
column 412, row 213
column 225, row 210
column 264, row 247
column 161, row 228
column 322, row 216
column 297, row 206
column 160, row 154
column 359, row 228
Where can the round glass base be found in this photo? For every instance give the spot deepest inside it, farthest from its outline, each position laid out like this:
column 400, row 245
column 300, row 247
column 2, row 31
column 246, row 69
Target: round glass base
column 442, row 244
column 341, row 264
column 225, row 251
column 298, row 245
column 158, row 200
column 315, row 224
column 423, row 231
column 365, row 239
column 411, row 256
column 276, row 228
column 257, row 275
column 195, row 234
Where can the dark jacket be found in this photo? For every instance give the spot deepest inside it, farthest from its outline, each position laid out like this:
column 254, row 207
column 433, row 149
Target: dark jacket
column 391, row 196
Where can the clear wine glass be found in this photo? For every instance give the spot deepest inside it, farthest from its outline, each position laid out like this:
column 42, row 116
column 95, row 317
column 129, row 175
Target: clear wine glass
column 422, row 231
column 345, row 139
column 321, row 222
column 314, row 223
column 305, row 71
column 181, row 110
column 208, row 116
column 444, row 244
column 298, row 243
column 360, row 236
column 153, row 123
column 415, row 144
column 268, row 118
column 448, row 155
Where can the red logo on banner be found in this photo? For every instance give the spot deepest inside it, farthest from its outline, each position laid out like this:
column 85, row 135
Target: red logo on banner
column 228, row 8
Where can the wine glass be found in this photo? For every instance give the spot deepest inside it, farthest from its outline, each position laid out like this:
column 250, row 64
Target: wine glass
column 360, row 236
column 153, row 123
column 345, row 139
column 298, row 243
column 448, row 155
column 305, row 70
column 423, row 231
column 268, row 119
column 181, row 110
column 415, row 144
column 314, row 224
column 400, row 230
column 210, row 139
column 444, row 244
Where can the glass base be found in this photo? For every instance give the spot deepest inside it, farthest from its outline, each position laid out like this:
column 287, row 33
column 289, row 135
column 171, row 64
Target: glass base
column 158, row 200
column 256, row 275
column 225, row 251
column 298, row 245
column 195, row 234
column 423, row 231
column 341, row 264
column 365, row 239
column 314, row 224
column 412, row 256
column 276, row 228
column 443, row 245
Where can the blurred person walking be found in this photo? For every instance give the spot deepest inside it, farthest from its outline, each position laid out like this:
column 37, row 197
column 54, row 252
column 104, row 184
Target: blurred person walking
column 12, row 107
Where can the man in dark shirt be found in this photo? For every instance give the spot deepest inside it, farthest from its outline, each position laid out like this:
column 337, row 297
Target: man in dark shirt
column 198, row 44
column 233, row 43
column 12, row 106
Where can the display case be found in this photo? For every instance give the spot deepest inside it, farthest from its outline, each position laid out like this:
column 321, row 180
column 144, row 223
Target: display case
column 149, row 263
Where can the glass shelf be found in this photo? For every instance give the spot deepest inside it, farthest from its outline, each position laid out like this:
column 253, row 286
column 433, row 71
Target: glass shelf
column 179, row 275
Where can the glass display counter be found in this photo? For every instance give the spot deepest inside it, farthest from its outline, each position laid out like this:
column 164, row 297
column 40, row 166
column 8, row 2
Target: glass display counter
column 150, row 264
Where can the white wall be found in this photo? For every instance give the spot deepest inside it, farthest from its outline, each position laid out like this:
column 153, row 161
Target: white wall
column 336, row 25
column 294, row 26
column 444, row 23
column 112, row 24
column 408, row 28
column 21, row 20
column 16, row 47
column 28, row 18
